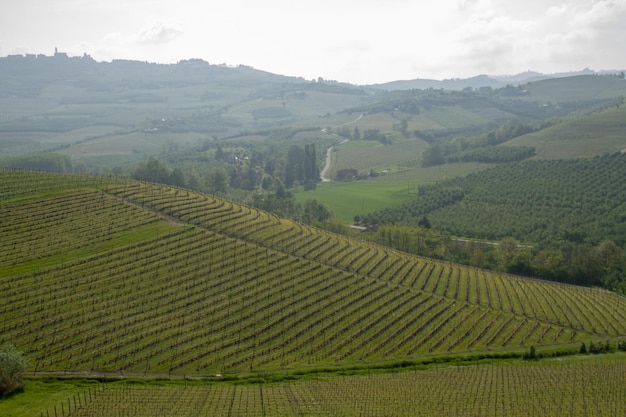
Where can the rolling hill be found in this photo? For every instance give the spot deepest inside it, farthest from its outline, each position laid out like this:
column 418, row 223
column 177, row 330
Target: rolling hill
column 587, row 135
column 124, row 107
column 100, row 275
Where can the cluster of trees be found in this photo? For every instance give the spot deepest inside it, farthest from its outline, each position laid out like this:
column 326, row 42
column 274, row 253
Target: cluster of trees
column 371, row 134
column 433, row 155
column 504, row 133
column 581, row 264
column 43, row 161
column 493, row 154
column 12, row 367
column 603, row 264
column 481, row 148
column 284, row 204
column 271, row 113
column 154, row 170
column 235, row 170
column 261, row 178
column 301, row 167
column 602, row 347
column 375, row 134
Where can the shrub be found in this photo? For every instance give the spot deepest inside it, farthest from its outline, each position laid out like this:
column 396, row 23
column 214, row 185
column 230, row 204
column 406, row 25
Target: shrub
column 12, row 366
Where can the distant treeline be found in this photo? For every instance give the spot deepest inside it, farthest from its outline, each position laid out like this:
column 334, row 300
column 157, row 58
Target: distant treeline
column 414, row 102
column 493, row 154
column 481, row 148
column 262, row 179
column 603, row 264
column 43, row 161
column 562, row 211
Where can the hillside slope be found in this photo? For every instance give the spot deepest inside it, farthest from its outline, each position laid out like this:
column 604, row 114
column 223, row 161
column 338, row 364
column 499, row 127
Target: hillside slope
column 538, row 201
column 104, row 275
column 580, row 87
column 593, row 134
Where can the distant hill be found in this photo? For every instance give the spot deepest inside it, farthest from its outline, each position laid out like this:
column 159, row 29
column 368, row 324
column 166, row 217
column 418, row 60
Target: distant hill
column 482, row 81
column 449, row 84
column 52, row 102
column 573, row 137
column 577, row 88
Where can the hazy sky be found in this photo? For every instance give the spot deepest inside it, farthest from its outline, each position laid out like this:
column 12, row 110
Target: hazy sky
column 357, row 41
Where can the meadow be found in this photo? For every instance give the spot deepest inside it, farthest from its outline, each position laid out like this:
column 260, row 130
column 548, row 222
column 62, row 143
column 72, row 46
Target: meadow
column 350, row 199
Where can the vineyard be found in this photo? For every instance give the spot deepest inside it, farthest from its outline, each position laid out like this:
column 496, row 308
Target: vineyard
column 590, row 387
column 535, row 201
column 101, row 275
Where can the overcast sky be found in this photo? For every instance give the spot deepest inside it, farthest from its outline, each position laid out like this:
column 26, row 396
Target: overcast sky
column 356, row 41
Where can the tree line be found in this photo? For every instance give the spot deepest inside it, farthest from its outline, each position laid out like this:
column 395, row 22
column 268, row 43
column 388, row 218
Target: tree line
column 562, row 220
column 482, row 147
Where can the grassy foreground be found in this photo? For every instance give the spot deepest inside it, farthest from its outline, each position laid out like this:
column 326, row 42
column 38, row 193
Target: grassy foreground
column 576, row 386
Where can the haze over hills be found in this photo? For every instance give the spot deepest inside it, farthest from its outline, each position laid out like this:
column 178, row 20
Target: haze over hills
column 477, row 81
column 493, row 81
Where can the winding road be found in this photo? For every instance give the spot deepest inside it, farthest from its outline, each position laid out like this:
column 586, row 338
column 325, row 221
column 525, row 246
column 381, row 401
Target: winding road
column 330, row 150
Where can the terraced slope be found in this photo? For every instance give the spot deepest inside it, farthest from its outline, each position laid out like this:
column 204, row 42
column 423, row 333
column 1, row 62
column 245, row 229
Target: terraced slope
column 102, row 275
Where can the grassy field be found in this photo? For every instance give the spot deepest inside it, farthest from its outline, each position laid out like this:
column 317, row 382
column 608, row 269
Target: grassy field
column 395, row 185
column 454, row 117
column 595, row 134
column 129, row 143
column 418, row 175
column 366, row 155
column 577, row 386
column 348, row 199
column 581, row 87
column 42, row 395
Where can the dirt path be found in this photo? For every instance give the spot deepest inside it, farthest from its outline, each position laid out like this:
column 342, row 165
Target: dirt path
column 121, row 375
column 329, row 151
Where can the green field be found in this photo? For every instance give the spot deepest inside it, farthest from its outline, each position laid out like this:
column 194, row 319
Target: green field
column 577, row 88
column 42, row 395
column 590, row 135
column 364, row 155
column 348, row 199
column 581, row 386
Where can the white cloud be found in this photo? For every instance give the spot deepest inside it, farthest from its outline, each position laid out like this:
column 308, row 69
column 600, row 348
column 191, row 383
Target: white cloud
column 348, row 40
column 159, row 33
